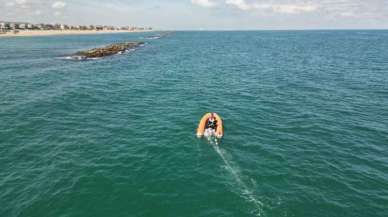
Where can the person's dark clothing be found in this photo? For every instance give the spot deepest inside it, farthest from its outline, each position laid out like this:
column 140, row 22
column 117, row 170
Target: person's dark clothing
column 211, row 124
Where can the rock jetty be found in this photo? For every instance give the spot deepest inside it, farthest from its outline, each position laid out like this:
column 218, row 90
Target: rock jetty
column 108, row 50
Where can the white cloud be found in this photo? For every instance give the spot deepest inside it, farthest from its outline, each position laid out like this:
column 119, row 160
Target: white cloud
column 58, row 5
column 347, row 14
column 277, row 8
column 21, row 2
column 240, row 4
column 204, row 3
column 294, row 9
column 9, row 4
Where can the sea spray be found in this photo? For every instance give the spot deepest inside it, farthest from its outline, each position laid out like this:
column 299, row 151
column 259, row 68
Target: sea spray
column 245, row 191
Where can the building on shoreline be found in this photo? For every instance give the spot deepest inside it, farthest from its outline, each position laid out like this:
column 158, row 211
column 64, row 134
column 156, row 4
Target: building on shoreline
column 2, row 27
column 18, row 26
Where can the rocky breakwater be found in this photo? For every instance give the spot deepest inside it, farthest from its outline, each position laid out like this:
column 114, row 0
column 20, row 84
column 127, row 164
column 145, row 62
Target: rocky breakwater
column 109, row 50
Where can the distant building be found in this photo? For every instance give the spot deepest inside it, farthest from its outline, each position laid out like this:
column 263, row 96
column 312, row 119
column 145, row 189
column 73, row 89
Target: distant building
column 74, row 27
column 39, row 26
column 64, row 27
column 6, row 25
column 21, row 26
column 15, row 26
column 48, row 27
column 12, row 26
column 2, row 26
column 108, row 28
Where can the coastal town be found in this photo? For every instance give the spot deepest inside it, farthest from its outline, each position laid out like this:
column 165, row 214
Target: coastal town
column 20, row 28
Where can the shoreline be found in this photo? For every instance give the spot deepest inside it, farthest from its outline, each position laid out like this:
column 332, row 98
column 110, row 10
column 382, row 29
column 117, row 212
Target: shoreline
column 32, row 33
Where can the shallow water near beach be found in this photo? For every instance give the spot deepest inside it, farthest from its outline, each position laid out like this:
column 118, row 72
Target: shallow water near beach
column 305, row 113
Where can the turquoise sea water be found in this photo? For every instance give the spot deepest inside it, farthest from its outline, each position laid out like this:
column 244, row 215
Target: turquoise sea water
column 305, row 112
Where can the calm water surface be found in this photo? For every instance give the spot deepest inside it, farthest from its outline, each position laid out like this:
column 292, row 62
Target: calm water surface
column 306, row 126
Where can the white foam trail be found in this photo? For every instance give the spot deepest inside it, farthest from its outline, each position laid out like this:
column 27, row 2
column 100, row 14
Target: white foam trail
column 247, row 193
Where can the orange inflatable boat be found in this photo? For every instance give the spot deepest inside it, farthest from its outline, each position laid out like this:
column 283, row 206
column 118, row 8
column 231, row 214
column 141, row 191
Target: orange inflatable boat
column 219, row 131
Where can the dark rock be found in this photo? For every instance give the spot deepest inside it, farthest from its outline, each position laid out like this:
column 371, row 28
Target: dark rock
column 108, row 50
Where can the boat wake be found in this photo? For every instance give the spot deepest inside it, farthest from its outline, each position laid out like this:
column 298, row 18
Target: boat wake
column 245, row 192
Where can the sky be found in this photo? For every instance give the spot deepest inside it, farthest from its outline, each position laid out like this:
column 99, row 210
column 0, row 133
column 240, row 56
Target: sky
column 203, row 14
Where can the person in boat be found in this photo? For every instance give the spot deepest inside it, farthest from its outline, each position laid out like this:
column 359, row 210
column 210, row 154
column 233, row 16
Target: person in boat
column 211, row 122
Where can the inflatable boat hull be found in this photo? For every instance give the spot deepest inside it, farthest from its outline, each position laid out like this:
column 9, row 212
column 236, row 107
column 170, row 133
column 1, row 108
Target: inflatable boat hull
column 219, row 131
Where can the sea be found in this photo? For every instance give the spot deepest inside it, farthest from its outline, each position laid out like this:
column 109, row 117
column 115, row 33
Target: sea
column 305, row 116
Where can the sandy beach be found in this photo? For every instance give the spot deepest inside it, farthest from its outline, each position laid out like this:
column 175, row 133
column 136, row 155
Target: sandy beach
column 29, row 33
